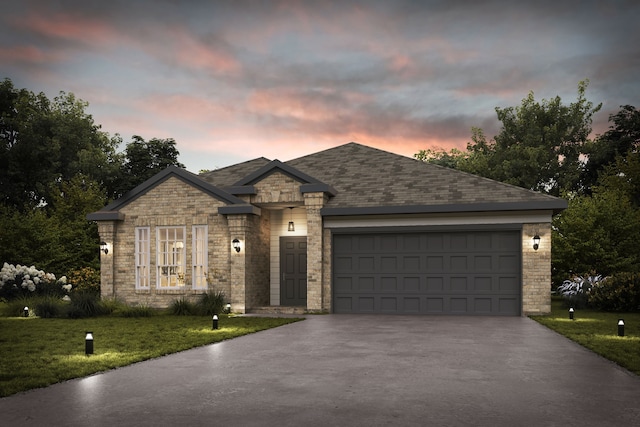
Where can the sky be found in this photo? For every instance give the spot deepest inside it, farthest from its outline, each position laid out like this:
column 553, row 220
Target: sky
column 230, row 81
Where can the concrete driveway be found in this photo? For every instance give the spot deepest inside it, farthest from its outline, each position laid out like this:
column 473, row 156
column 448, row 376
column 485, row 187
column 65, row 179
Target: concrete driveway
column 344, row 370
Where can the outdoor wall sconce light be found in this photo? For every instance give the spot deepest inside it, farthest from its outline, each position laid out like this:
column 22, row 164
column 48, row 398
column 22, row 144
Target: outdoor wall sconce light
column 25, row 312
column 536, row 242
column 215, row 322
column 236, row 245
column 571, row 314
column 620, row 327
column 291, row 226
column 88, row 343
column 104, row 247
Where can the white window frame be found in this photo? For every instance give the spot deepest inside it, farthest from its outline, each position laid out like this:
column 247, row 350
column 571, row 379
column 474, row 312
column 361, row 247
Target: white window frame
column 143, row 257
column 170, row 257
column 199, row 256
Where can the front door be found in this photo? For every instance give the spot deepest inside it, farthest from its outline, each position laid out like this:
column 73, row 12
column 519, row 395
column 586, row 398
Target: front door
column 293, row 271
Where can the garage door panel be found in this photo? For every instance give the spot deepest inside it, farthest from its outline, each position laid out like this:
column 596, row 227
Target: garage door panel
column 445, row 273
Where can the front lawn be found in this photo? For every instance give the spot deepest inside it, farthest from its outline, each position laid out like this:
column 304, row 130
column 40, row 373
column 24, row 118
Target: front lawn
column 37, row 352
column 598, row 331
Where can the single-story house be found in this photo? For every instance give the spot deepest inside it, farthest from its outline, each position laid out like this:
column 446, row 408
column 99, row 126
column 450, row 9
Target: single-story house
column 351, row 229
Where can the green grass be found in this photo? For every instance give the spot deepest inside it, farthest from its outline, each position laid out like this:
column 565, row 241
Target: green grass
column 37, row 352
column 598, row 331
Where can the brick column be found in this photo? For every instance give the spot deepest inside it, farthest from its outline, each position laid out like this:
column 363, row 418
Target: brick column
column 106, row 230
column 238, row 230
column 536, row 269
column 313, row 203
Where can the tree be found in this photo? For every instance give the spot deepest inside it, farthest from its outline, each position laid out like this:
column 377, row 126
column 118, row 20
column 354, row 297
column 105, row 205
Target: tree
column 539, row 146
column 597, row 233
column 144, row 159
column 56, row 165
column 43, row 142
column 607, row 152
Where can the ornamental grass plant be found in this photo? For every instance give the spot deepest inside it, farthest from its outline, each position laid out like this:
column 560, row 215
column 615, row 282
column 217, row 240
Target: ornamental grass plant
column 598, row 331
column 37, row 352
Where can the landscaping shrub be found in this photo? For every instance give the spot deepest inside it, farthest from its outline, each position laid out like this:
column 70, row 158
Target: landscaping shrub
column 17, row 281
column 49, row 307
column 15, row 308
column 212, row 302
column 620, row 292
column 84, row 279
column 142, row 310
column 111, row 305
column 575, row 293
column 183, row 307
column 84, row 304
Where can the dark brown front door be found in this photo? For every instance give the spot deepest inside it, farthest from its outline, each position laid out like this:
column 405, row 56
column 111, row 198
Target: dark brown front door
column 293, row 271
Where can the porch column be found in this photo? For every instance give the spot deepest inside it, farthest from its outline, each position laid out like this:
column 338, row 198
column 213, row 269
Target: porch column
column 238, row 230
column 106, row 230
column 313, row 203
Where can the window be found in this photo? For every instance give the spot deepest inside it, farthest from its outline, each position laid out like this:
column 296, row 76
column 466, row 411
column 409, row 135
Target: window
column 199, row 256
column 142, row 257
column 170, row 257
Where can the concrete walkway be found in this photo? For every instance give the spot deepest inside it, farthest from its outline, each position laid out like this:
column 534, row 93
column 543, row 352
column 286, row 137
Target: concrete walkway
column 343, row 370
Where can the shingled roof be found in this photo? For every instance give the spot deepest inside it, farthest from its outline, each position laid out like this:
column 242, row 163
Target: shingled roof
column 368, row 180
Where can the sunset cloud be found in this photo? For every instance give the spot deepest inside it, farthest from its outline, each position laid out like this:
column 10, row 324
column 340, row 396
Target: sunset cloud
column 234, row 80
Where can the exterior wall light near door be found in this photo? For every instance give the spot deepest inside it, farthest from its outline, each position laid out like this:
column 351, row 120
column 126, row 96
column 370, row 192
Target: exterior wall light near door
column 104, row 247
column 536, row 242
column 236, row 245
column 291, row 226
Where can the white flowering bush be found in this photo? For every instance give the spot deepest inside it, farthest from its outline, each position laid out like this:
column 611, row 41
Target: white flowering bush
column 576, row 291
column 19, row 281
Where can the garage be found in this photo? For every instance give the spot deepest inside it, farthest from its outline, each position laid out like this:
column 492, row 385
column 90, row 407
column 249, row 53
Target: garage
column 474, row 272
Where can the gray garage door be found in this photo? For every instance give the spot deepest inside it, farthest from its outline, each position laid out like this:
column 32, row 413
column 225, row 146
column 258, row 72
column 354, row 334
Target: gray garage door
column 471, row 272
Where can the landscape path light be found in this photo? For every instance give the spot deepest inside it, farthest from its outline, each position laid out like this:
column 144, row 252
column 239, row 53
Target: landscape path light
column 215, row 322
column 571, row 314
column 88, row 343
column 228, row 308
column 620, row 327
column 25, row 312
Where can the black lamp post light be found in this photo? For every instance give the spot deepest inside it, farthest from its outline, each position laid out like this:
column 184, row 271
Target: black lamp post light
column 620, row 327
column 88, row 343
column 215, row 322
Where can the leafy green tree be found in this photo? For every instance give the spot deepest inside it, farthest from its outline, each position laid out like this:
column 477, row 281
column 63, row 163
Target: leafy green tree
column 539, row 146
column 57, row 238
column 43, row 142
column 596, row 234
column 56, row 165
column 143, row 159
column 612, row 152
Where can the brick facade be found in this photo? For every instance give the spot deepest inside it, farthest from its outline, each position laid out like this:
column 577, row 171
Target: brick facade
column 251, row 204
column 536, row 269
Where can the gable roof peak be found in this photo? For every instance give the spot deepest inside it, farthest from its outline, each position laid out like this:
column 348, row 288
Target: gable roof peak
column 273, row 166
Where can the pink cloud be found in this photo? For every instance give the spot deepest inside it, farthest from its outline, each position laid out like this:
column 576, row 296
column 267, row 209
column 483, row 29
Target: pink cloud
column 29, row 54
column 186, row 109
column 197, row 53
column 70, row 27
